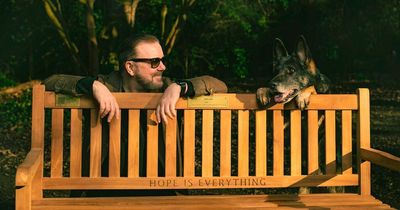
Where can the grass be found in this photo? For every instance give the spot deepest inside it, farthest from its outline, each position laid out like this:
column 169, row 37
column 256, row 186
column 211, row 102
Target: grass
column 385, row 135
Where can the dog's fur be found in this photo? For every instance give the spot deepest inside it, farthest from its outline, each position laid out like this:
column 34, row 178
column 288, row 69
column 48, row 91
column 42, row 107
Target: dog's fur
column 297, row 76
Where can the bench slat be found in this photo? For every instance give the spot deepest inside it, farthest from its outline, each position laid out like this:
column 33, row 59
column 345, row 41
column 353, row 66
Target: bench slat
column 189, row 144
column 295, row 142
column 234, row 101
column 38, row 117
column 225, row 144
column 212, row 207
column 115, row 148
column 170, row 148
column 95, row 143
column 312, row 141
column 133, row 143
column 76, row 143
column 261, row 142
column 152, row 145
column 278, row 144
column 346, row 142
column 200, row 182
column 330, row 144
column 364, row 141
column 315, row 201
column 243, row 143
column 207, row 143
column 57, row 127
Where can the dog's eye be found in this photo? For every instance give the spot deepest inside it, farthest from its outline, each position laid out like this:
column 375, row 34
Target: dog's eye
column 290, row 70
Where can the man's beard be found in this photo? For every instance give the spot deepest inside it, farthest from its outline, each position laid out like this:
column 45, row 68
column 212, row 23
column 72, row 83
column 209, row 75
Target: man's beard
column 150, row 85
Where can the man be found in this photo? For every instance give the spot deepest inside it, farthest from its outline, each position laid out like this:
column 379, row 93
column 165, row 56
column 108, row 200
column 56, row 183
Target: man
column 141, row 68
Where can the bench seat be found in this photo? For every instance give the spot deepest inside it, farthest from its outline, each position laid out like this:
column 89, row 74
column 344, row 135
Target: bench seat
column 307, row 201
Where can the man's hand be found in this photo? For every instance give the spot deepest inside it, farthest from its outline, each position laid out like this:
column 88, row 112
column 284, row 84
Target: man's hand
column 107, row 102
column 166, row 106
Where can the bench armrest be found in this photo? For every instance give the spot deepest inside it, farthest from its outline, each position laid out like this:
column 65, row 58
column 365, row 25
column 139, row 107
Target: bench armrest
column 27, row 170
column 381, row 158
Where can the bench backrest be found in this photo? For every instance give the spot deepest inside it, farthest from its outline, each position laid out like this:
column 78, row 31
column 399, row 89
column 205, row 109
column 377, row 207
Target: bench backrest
column 228, row 142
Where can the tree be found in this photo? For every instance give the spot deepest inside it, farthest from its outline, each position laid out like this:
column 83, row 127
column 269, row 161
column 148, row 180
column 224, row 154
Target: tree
column 54, row 11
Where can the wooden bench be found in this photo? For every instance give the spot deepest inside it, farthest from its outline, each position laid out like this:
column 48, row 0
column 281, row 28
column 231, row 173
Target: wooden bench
column 229, row 144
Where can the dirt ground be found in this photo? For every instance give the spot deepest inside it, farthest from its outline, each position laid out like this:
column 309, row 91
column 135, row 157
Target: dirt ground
column 385, row 135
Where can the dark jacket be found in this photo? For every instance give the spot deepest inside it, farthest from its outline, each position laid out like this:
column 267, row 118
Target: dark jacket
column 61, row 83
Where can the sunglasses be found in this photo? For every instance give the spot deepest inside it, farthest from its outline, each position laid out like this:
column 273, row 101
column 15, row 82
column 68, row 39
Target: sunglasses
column 154, row 62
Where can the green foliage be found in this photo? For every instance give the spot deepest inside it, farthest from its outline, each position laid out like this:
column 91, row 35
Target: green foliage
column 15, row 111
column 240, row 66
column 6, row 81
column 15, row 132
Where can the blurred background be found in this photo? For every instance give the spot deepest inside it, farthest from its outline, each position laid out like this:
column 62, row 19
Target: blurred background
column 356, row 43
column 357, row 39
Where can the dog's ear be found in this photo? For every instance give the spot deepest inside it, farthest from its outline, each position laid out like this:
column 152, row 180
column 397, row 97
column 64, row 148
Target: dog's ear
column 278, row 52
column 279, row 49
column 304, row 54
column 302, row 50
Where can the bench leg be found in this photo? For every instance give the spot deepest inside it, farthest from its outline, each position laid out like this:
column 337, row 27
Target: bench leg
column 23, row 200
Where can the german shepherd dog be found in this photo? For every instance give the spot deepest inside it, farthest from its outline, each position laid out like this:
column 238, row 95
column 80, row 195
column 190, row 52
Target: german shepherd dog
column 297, row 76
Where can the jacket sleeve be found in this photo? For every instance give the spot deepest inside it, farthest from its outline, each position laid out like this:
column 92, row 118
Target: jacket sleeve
column 62, row 83
column 207, row 85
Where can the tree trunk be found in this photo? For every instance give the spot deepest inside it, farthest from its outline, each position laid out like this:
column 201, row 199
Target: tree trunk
column 93, row 65
column 178, row 24
column 130, row 11
column 55, row 15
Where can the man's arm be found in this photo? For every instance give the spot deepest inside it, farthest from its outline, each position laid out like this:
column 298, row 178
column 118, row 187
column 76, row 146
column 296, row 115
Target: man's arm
column 204, row 85
column 207, row 85
column 79, row 85
column 62, row 83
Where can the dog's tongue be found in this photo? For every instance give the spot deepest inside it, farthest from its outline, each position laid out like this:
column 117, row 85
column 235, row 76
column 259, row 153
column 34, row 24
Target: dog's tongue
column 282, row 97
